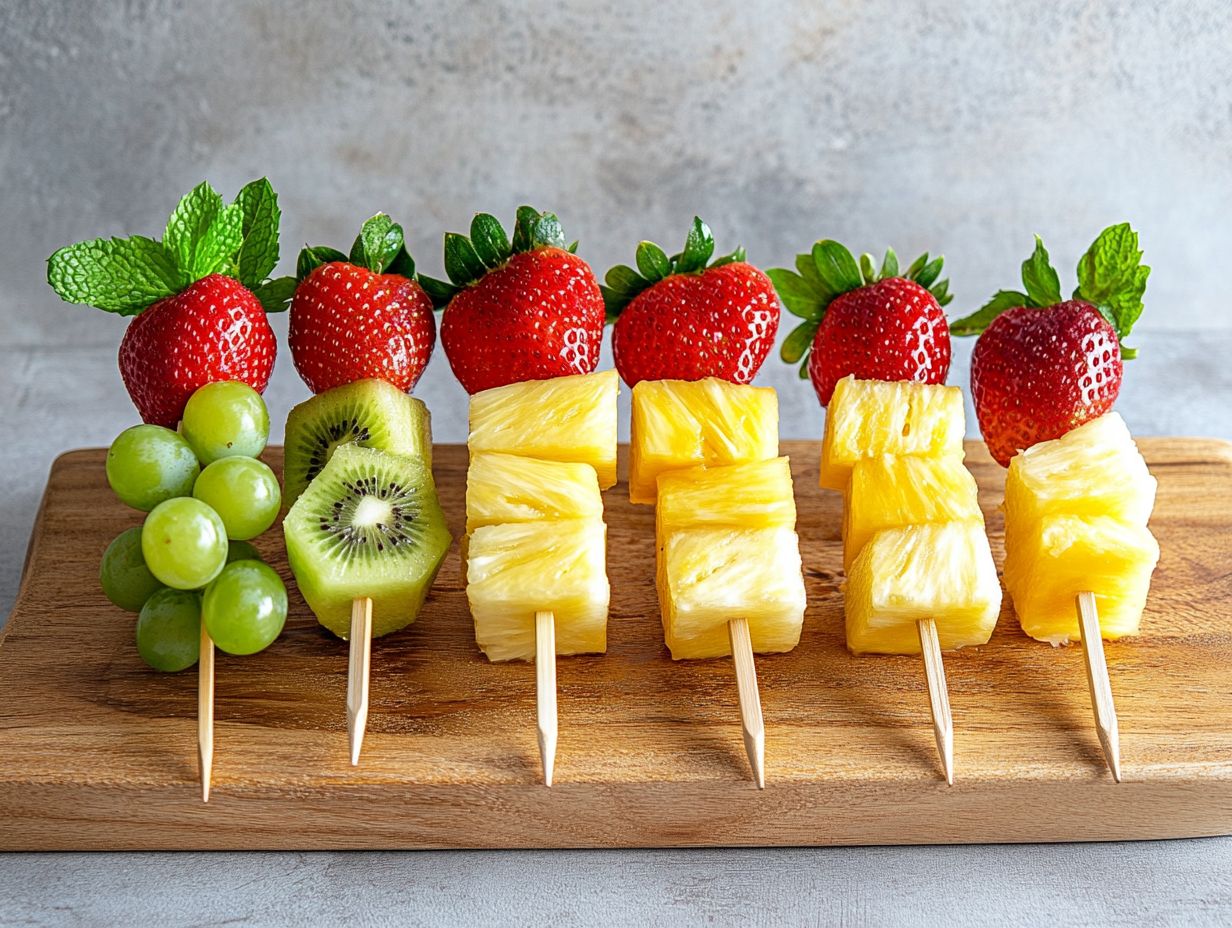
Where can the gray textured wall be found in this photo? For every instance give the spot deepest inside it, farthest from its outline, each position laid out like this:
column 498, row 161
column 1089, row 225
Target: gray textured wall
column 959, row 128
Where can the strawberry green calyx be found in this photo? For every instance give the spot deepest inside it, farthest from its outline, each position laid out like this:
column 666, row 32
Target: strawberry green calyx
column 622, row 283
column 380, row 247
column 828, row 271
column 1111, row 277
column 203, row 236
column 488, row 247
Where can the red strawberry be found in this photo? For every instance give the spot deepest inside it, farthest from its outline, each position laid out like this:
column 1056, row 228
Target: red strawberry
column 193, row 325
column 350, row 320
column 529, row 309
column 215, row 329
column 682, row 319
column 1044, row 366
column 857, row 320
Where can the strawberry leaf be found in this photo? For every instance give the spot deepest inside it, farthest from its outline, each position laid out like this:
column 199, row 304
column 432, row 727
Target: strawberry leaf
column 800, row 296
column 378, row 243
column 889, row 264
column 797, row 344
column 1111, row 276
column 979, row 320
column 698, row 247
column 259, row 252
column 119, row 275
column 652, row 261
column 275, row 295
column 867, row 269
column 836, row 267
column 440, row 291
column 312, row 257
column 489, row 240
column 1039, row 278
column 926, row 275
column 462, row 262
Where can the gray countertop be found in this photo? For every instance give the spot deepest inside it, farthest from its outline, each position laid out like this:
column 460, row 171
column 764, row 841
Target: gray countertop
column 62, row 398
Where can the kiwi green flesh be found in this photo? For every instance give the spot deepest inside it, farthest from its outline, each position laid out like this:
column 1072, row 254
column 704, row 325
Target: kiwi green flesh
column 368, row 525
column 371, row 413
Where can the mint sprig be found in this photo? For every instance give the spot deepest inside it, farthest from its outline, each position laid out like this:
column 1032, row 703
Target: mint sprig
column 622, row 283
column 468, row 258
column 829, row 270
column 380, row 247
column 1111, row 277
column 203, row 236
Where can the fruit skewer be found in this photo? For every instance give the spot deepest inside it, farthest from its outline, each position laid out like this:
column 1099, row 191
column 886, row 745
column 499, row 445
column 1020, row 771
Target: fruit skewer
column 728, row 568
column 1045, row 374
column 920, row 574
column 365, row 534
column 535, row 566
column 205, row 712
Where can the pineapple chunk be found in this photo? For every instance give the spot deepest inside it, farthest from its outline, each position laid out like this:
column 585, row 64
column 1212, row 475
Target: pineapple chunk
column 866, row 418
column 1093, row 470
column 942, row 571
column 1064, row 555
column 507, row 488
column 888, row 491
column 680, row 424
column 517, row 569
column 563, row 419
column 753, row 495
column 710, row 576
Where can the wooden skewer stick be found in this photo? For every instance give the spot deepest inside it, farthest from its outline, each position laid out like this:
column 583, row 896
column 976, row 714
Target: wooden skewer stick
column 750, row 700
column 205, row 712
column 938, row 695
column 359, row 665
column 545, row 690
column 1097, row 680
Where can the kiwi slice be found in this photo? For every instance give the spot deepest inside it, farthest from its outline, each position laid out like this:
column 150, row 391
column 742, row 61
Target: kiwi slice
column 368, row 525
column 371, row 413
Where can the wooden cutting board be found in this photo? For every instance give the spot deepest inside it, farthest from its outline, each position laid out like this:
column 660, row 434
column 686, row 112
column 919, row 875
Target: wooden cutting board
column 98, row 752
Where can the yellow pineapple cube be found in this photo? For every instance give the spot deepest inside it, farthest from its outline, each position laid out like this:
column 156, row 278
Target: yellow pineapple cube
column 940, row 571
column 709, row 576
column 517, row 569
column 1093, row 470
column 562, row 419
column 508, row 488
column 753, row 495
column 866, row 418
column 1064, row 555
column 888, row 491
column 680, row 424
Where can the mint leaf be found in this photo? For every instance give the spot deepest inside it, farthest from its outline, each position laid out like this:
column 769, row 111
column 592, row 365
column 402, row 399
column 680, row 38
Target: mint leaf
column 119, row 275
column 836, row 267
column 1040, row 278
column 979, row 320
column 188, row 227
column 1112, row 277
column 276, row 294
column 259, row 252
column 215, row 251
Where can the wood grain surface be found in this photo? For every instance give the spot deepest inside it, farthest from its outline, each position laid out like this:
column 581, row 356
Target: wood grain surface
column 98, row 752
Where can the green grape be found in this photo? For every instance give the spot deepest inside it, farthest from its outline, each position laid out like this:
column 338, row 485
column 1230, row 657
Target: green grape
column 242, row 551
column 226, row 419
column 184, row 543
column 125, row 579
column 244, row 491
column 169, row 630
column 148, row 464
column 245, row 608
